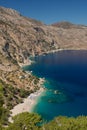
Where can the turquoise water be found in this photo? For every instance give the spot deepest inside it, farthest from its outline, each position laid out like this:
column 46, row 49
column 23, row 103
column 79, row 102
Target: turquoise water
column 66, row 83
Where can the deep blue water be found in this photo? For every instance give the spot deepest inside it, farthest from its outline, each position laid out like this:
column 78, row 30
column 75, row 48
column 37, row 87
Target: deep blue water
column 66, row 83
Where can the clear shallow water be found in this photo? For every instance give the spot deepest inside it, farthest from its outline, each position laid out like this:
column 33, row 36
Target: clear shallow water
column 66, row 83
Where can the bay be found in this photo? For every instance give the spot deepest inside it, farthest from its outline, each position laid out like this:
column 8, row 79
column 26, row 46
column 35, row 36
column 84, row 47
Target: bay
column 66, row 83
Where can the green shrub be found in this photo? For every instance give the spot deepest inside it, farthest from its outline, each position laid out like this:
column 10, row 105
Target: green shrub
column 25, row 121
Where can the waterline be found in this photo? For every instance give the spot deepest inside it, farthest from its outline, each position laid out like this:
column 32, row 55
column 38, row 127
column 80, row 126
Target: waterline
column 66, row 86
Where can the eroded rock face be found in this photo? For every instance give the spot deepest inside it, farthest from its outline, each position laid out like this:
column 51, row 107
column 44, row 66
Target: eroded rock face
column 21, row 37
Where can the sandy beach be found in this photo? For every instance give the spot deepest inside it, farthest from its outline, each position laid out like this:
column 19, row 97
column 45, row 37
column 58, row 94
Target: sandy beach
column 27, row 105
column 30, row 101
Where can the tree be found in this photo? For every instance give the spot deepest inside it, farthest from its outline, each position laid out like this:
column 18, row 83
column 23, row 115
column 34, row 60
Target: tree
column 25, row 121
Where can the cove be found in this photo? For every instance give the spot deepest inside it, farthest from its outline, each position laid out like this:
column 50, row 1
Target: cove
column 66, row 83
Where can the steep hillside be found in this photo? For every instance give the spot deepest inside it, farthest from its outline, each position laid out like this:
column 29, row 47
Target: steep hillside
column 21, row 37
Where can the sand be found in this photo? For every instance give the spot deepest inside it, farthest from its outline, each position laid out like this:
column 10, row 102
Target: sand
column 27, row 105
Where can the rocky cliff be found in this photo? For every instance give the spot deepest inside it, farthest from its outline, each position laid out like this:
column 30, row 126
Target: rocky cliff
column 21, row 37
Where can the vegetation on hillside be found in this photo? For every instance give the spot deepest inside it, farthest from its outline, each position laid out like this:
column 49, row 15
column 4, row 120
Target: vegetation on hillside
column 20, row 38
column 65, row 123
column 9, row 97
column 27, row 121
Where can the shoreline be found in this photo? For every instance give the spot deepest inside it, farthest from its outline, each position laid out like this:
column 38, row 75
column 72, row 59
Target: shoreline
column 29, row 102
column 29, row 61
column 27, row 105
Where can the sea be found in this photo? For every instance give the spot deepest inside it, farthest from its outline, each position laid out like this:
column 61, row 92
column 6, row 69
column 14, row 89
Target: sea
column 65, row 86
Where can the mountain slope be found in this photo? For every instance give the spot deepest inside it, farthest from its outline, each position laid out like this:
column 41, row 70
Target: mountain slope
column 21, row 37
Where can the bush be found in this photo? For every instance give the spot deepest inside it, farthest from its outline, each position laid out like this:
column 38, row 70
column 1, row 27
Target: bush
column 25, row 121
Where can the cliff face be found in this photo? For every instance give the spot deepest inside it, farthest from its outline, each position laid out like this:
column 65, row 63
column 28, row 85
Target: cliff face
column 21, row 37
